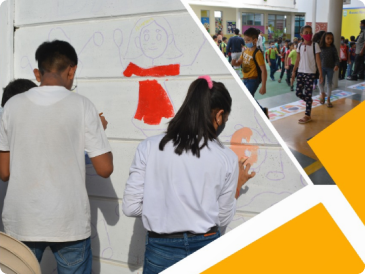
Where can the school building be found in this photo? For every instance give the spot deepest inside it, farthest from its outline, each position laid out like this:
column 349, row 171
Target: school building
column 278, row 18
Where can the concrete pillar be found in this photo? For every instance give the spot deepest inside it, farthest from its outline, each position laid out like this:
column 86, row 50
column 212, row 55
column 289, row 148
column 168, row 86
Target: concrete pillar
column 239, row 19
column 334, row 26
column 292, row 26
column 314, row 15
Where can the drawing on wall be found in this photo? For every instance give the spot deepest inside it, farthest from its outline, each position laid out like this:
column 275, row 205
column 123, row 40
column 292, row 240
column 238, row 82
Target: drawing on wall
column 152, row 52
column 205, row 22
column 231, row 27
column 218, row 24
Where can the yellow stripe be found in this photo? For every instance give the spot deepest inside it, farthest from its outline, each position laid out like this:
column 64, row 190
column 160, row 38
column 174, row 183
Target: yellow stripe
column 313, row 167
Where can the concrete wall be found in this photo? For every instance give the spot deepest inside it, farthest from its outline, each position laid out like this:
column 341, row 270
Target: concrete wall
column 104, row 33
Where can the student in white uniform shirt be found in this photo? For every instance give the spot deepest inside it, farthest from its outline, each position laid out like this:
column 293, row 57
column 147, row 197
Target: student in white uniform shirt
column 43, row 135
column 185, row 183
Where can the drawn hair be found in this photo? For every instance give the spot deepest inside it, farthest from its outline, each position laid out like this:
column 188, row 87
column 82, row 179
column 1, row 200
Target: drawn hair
column 56, row 55
column 322, row 43
column 16, row 87
column 193, row 122
column 133, row 52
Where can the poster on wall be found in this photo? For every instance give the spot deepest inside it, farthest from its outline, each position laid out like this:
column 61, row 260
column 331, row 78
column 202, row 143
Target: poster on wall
column 231, row 26
column 205, row 22
column 218, row 24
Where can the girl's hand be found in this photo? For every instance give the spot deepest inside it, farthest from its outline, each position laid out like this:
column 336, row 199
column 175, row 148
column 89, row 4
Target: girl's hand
column 320, row 79
column 244, row 176
column 336, row 68
column 286, row 67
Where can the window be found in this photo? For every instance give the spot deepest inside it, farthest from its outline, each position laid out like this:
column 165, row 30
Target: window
column 252, row 19
column 276, row 25
column 299, row 23
column 218, row 21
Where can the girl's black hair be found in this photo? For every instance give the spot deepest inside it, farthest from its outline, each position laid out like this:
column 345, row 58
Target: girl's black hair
column 322, row 43
column 193, row 122
column 318, row 36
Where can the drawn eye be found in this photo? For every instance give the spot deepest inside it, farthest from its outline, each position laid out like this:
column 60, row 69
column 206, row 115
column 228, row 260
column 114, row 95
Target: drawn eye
column 158, row 37
column 146, row 37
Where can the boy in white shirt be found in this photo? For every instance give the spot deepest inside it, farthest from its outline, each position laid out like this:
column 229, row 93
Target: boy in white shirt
column 308, row 64
column 46, row 131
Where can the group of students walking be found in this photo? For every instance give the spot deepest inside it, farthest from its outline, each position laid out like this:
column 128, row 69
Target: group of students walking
column 183, row 183
column 310, row 62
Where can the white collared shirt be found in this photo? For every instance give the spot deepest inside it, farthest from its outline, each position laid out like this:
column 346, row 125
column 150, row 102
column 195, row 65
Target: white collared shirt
column 46, row 130
column 176, row 193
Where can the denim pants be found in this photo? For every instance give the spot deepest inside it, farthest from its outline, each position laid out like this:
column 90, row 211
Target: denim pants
column 273, row 67
column 162, row 253
column 305, row 90
column 327, row 73
column 349, row 68
column 72, row 257
column 252, row 85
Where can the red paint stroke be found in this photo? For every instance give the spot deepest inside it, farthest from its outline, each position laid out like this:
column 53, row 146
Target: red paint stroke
column 240, row 148
column 158, row 71
column 153, row 103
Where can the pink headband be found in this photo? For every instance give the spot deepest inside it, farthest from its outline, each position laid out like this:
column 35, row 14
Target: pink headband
column 207, row 78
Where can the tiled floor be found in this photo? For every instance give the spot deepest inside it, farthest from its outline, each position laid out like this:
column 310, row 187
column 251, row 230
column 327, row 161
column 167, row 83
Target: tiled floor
column 296, row 135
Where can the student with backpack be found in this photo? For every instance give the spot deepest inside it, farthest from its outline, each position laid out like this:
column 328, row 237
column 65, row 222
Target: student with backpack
column 291, row 58
column 271, row 60
column 330, row 63
column 309, row 66
column 282, row 59
column 253, row 66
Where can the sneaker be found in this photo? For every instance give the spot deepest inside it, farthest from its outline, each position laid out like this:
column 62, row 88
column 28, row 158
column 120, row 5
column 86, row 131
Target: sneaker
column 292, row 89
column 272, row 78
column 279, row 80
column 351, row 78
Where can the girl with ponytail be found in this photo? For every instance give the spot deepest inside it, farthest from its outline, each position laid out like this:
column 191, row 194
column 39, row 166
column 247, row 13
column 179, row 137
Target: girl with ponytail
column 184, row 184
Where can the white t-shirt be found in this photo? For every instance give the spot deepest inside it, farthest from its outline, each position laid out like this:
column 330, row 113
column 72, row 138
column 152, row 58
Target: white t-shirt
column 46, row 130
column 259, row 43
column 307, row 62
column 176, row 193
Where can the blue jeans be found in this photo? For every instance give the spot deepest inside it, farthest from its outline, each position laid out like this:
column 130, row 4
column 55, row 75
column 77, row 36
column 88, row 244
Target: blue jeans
column 273, row 68
column 327, row 73
column 162, row 253
column 72, row 257
column 252, row 85
column 349, row 68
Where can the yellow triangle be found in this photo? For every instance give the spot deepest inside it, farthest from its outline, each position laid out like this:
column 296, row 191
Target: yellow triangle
column 341, row 150
column 310, row 243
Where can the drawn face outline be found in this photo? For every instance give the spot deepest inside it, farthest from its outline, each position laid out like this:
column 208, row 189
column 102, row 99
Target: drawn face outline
column 153, row 40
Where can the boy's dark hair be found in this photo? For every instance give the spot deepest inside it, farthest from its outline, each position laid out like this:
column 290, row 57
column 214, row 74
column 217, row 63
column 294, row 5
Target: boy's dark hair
column 56, row 55
column 346, row 41
column 215, row 37
column 305, row 27
column 290, row 44
column 276, row 40
column 352, row 38
column 287, row 40
column 219, row 32
column 236, row 31
column 224, row 38
column 192, row 127
column 16, row 87
column 342, row 37
column 252, row 33
column 362, row 22
column 322, row 43
column 352, row 44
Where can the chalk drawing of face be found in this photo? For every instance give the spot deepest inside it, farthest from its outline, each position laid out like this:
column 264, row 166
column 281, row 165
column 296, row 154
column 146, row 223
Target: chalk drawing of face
column 153, row 40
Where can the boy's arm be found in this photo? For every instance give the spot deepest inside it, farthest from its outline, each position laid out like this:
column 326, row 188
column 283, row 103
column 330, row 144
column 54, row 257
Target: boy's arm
column 319, row 66
column 4, row 165
column 264, row 79
column 286, row 61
